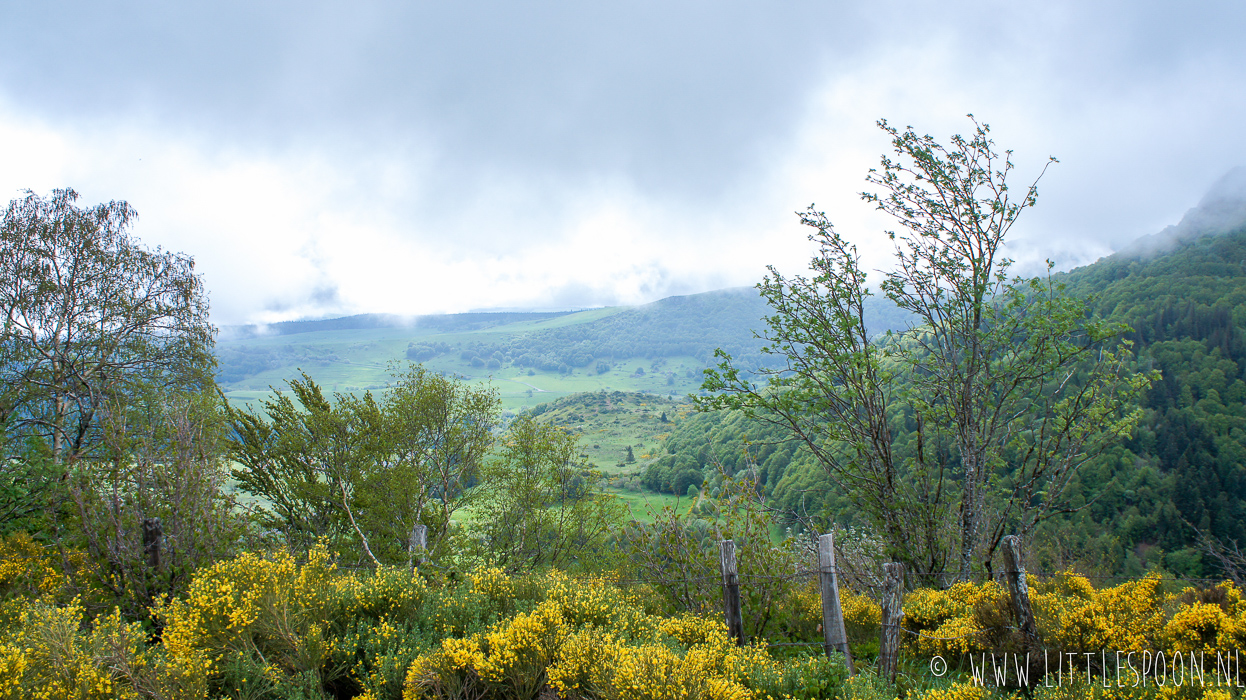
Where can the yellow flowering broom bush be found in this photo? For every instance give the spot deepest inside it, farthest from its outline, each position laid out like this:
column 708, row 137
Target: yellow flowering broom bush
column 589, row 639
column 274, row 626
column 51, row 654
column 1074, row 615
column 946, row 618
column 26, row 570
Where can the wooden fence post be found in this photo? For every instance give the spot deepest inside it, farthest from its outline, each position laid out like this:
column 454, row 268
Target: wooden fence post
column 731, row 590
column 418, row 545
column 893, row 617
column 834, row 637
column 153, row 532
column 1019, row 592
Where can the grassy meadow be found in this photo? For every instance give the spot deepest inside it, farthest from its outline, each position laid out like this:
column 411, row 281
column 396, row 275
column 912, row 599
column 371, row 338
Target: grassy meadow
column 355, row 360
column 635, row 403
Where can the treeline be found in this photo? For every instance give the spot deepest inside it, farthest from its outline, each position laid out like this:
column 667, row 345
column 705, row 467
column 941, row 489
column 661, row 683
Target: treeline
column 237, row 362
column 687, row 326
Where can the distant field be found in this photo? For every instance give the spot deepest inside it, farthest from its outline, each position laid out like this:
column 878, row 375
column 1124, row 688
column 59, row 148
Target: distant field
column 643, row 506
column 608, row 423
column 352, row 361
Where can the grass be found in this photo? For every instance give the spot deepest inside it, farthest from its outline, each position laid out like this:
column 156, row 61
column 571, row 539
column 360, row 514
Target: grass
column 644, row 505
column 352, row 361
column 609, row 422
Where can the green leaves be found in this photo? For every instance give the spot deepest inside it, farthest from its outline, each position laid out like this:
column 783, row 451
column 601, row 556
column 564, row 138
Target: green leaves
column 365, row 471
column 90, row 315
column 969, row 425
column 542, row 505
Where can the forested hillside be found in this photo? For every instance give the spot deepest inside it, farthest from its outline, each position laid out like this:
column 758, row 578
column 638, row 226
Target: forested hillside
column 657, row 348
column 693, row 325
column 1184, row 296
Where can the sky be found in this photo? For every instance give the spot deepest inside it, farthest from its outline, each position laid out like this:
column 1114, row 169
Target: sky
column 323, row 159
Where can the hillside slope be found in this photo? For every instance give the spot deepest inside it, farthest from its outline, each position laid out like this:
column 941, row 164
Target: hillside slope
column 1183, row 292
column 530, row 357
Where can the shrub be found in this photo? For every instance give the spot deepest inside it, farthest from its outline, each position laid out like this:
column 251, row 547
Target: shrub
column 26, row 570
column 271, row 626
column 1074, row 615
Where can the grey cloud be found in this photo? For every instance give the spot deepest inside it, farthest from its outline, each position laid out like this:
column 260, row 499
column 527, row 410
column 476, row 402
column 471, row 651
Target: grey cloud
column 680, row 95
column 687, row 104
column 685, row 99
column 1221, row 210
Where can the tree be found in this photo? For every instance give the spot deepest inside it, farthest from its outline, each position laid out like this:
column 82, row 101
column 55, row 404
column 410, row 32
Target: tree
column 438, row 432
column 90, row 316
column 542, row 505
column 974, row 421
column 362, row 470
column 162, row 463
column 303, row 459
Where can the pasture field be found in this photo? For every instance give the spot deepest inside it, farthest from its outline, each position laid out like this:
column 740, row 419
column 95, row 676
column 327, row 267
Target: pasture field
column 355, row 360
column 644, row 505
column 609, row 422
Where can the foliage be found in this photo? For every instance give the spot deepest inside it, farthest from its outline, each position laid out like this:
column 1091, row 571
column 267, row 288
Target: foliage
column 541, row 505
column 1000, row 390
column 1187, row 307
column 28, row 570
column 31, row 489
column 586, row 643
column 90, row 316
column 362, row 470
column 108, row 403
column 47, row 655
column 1073, row 616
column 270, row 626
column 437, row 432
column 303, row 459
column 679, row 551
column 161, row 463
column 1129, row 506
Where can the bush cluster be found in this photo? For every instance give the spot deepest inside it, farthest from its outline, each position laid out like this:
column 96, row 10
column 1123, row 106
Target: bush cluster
column 272, row 626
column 277, row 626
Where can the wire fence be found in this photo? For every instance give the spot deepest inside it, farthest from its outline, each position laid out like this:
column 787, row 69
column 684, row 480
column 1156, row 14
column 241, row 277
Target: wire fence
column 943, row 580
column 940, row 579
column 887, row 592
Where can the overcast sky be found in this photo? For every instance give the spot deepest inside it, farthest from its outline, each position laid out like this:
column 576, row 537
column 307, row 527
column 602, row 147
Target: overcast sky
column 321, row 159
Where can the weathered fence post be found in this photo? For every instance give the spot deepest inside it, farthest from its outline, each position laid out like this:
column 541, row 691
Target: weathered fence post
column 418, row 545
column 153, row 532
column 731, row 590
column 1019, row 591
column 893, row 617
column 834, row 637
